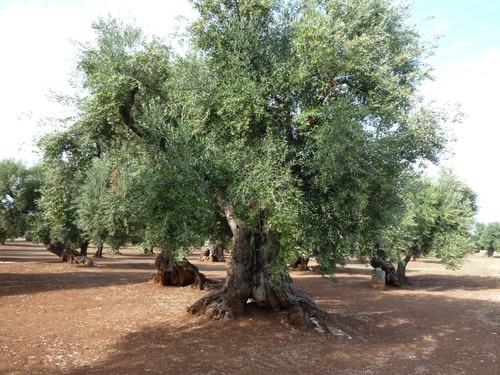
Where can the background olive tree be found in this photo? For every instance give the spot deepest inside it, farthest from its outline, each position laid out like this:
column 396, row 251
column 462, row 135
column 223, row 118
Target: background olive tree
column 437, row 218
column 487, row 237
column 18, row 195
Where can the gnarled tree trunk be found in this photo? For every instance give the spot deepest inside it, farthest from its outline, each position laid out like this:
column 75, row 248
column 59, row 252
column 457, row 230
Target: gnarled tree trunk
column 68, row 255
column 83, row 247
column 213, row 253
column 301, row 263
column 148, row 249
column 248, row 280
column 180, row 273
column 393, row 276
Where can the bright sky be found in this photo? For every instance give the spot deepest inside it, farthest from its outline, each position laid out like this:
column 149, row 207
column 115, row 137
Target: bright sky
column 38, row 56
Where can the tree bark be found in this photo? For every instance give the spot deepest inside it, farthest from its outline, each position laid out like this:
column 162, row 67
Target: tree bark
column 98, row 252
column 393, row 276
column 148, row 250
column 125, row 110
column 68, row 255
column 83, row 247
column 180, row 273
column 213, row 253
column 57, row 248
column 249, row 280
column 301, row 263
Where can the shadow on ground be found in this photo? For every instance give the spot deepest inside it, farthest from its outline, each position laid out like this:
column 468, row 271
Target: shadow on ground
column 393, row 340
column 25, row 283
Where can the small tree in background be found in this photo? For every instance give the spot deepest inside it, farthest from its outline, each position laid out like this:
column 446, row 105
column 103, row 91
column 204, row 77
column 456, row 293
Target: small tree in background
column 490, row 238
column 18, row 195
column 477, row 234
column 62, row 177
column 438, row 220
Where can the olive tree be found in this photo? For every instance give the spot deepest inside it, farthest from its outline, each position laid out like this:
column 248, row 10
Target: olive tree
column 490, row 237
column 18, row 195
column 438, row 220
column 289, row 124
column 55, row 222
column 316, row 108
column 12, row 175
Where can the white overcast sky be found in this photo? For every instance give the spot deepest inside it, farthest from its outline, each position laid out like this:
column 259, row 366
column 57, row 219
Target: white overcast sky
column 37, row 56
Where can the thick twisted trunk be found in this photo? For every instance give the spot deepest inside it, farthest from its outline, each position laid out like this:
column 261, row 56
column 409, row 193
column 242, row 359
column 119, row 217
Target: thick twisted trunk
column 213, row 253
column 68, row 255
column 171, row 272
column 393, row 276
column 83, row 247
column 301, row 263
column 249, row 280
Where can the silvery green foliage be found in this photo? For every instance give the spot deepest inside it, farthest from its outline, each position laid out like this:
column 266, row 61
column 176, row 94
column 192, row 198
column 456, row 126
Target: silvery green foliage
column 303, row 117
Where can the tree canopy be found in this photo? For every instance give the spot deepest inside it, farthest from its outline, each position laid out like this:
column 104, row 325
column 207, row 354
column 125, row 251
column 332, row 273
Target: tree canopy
column 288, row 126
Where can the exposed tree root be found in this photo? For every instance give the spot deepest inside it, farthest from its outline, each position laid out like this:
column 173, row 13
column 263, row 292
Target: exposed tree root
column 301, row 310
column 249, row 280
column 214, row 305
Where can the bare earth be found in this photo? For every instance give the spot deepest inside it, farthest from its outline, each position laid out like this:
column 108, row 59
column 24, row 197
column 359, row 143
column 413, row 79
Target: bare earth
column 60, row 318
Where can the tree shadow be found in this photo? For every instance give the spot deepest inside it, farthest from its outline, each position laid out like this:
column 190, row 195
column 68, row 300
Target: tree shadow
column 386, row 337
column 215, row 266
column 110, row 270
column 442, row 283
column 27, row 283
column 24, row 252
column 24, row 244
column 397, row 331
column 125, row 266
column 429, row 282
column 32, row 259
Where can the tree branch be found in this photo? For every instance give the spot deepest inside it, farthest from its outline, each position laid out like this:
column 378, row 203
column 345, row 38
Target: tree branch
column 126, row 111
column 127, row 118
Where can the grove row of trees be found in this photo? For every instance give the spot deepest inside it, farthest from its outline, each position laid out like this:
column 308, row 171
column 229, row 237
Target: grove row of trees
column 431, row 210
column 288, row 127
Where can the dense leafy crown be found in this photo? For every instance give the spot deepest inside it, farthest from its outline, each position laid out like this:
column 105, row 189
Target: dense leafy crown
column 302, row 112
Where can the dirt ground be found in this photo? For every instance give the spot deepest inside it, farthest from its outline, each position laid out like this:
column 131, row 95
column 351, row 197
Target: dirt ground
column 59, row 318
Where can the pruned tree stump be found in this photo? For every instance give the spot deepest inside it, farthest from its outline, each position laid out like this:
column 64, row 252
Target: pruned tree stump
column 393, row 276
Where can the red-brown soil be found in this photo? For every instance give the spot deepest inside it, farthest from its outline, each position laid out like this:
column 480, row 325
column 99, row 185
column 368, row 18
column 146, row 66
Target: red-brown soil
column 60, row 318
